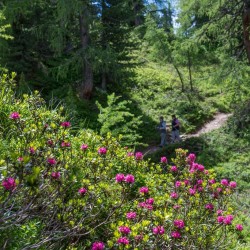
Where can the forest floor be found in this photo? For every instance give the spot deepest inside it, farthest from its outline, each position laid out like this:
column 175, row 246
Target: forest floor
column 218, row 121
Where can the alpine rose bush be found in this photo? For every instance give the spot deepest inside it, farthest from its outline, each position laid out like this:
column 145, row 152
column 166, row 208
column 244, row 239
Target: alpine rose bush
column 68, row 195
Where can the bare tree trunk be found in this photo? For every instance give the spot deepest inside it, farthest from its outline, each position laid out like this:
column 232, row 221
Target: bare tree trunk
column 190, row 71
column 246, row 27
column 137, row 9
column 180, row 76
column 87, row 72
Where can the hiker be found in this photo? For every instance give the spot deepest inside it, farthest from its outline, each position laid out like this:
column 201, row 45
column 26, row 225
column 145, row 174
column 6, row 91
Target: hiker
column 175, row 129
column 163, row 132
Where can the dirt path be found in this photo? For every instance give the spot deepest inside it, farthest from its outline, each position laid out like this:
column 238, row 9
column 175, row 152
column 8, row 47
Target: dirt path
column 217, row 122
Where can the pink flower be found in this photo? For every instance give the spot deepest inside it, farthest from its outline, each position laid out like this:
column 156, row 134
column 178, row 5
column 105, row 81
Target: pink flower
column 102, row 151
column 212, row 181
column 119, row 178
column 65, row 144
column 20, row 159
column 219, row 190
column 82, row 191
column 177, row 184
column 145, row 205
column 176, row 235
column 150, row 201
column 199, row 182
column 51, row 161
column 186, row 182
column 173, row 169
column 50, row 142
column 158, row 230
column 200, row 168
column 209, row 206
column 138, row 155
column 9, row 183
column 131, row 215
column 179, row 223
column 220, row 219
column 55, row 175
column 239, row 227
column 15, row 116
column 192, row 191
column 219, row 212
column 228, row 219
column 65, row 124
column 144, row 190
column 176, row 207
column 224, row 182
column 129, row 154
column 84, row 147
column 232, row 184
column 129, row 178
column 164, row 159
column 191, row 158
column 32, row 150
column 98, row 245
column 200, row 189
column 174, row 195
column 123, row 240
column 124, row 230
column 206, row 172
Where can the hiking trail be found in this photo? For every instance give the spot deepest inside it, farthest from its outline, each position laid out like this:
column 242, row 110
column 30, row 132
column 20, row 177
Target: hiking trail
column 218, row 121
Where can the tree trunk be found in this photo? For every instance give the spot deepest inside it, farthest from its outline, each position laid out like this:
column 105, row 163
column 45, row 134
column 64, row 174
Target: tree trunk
column 180, row 76
column 190, row 71
column 87, row 72
column 246, row 27
column 137, row 12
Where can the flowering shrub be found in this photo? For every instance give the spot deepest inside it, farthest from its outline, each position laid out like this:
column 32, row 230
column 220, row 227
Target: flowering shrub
column 90, row 193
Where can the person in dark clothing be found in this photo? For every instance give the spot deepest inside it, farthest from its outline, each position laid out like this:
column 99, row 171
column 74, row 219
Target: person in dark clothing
column 163, row 132
column 175, row 129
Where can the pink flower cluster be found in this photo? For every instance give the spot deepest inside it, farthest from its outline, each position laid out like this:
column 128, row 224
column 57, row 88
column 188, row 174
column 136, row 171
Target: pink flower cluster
column 65, row 144
column 239, row 227
column 196, row 167
column 84, row 147
column 158, row 230
column 51, row 161
column 123, row 240
column 82, row 191
column 144, row 190
column 15, row 116
column 55, row 175
column 102, row 151
column 227, row 220
column 9, row 184
column 129, row 154
column 65, row 124
column 176, row 235
column 164, row 159
column 173, row 169
column 148, row 204
column 179, row 223
column 138, row 155
column 131, row 215
column 209, row 206
column 124, row 230
column 174, row 195
column 128, row 178
column 32, row 150
column 191, row 158
column 98, row 245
